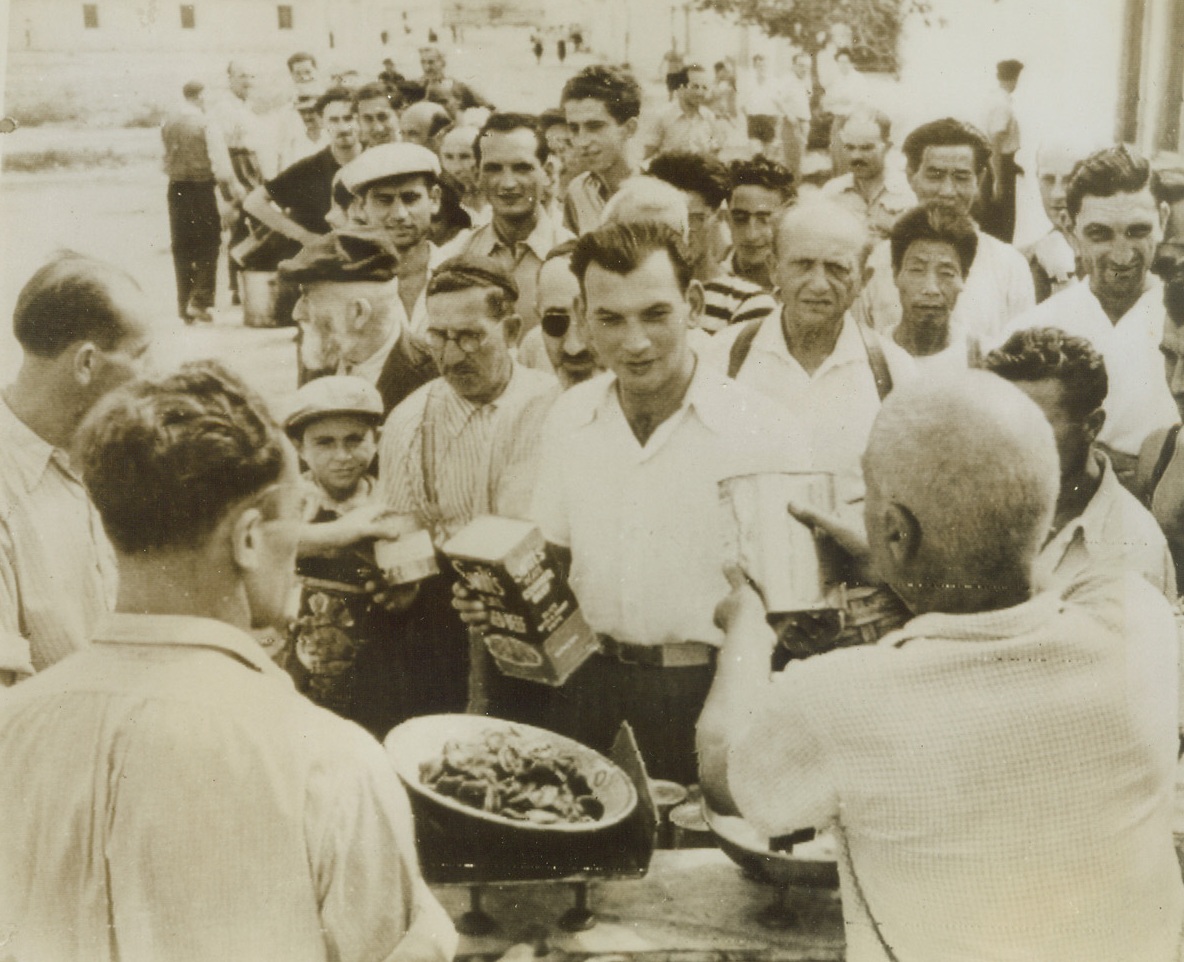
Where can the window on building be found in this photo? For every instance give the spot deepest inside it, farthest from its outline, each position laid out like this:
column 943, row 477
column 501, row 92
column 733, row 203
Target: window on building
column 90, row 16
column 285, row 12
column 188, row 17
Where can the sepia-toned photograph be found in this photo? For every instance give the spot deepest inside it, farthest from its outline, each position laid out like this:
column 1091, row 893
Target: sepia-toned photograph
column 591, row 480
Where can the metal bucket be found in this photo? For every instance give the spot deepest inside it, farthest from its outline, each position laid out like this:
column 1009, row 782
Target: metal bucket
column 258, row 290
column 776, row 550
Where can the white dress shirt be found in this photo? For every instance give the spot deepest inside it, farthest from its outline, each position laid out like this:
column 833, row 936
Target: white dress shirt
column 168, row 795
column 1002, row 781
column 57, row 568
column 998, row 288
column 836, row 405
column 643, row 522
column 1138, row 401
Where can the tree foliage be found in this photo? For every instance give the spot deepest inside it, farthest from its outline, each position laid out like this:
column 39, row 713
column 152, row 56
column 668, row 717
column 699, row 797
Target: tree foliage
column 875, row 24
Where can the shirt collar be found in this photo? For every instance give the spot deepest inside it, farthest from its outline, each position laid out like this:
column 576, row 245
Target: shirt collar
column 1092, row 521
column 26, row 450
column 849, row 347
column 709, row 396
column 485, row 240
column 121, row 628
column 1005, row 624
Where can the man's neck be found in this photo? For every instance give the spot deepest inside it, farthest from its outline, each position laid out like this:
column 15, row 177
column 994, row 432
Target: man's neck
column 43, row 410
column 1077, row 491
column 868, row 187
column 922, row 340
column 615, row 174
column 515, row 230
column 186, row 583
column 413, row 261
column 812, row 345
column 756, row 272
column 644, row 413
column 1117, row 308
column 343, row 155
column 689, row 111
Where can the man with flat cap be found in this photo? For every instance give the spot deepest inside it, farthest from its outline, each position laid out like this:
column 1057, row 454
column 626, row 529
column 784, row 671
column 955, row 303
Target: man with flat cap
column 349, row 313
column 397, row 187
column 1003, row 132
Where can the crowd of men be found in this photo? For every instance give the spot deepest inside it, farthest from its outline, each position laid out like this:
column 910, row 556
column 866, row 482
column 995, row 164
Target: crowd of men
column 503, row 313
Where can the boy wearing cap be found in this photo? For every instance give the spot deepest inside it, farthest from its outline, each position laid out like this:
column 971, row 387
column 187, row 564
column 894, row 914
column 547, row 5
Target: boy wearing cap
column 334, row 424
column 398, row 186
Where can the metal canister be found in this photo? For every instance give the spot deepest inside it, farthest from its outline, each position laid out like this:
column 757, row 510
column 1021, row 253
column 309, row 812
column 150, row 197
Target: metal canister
column 775, row 549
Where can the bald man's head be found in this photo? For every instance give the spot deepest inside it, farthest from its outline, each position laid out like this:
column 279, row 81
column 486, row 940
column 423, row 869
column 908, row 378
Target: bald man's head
column 648, row 199
column 962, row 478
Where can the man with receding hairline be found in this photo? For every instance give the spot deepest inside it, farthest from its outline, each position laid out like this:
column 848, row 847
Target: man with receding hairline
column 85, row 328
column 998, row 772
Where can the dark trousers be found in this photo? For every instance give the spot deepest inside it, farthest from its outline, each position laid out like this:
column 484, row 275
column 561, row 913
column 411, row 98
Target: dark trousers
column 998, row 218
column 196, row 232
column 662, row 706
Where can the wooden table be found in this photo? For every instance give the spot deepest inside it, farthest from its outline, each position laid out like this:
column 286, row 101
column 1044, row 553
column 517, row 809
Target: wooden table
column 694, row 905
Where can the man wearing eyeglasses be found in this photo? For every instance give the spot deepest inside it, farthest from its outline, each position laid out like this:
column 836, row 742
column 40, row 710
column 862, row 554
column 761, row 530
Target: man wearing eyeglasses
column 434, row 471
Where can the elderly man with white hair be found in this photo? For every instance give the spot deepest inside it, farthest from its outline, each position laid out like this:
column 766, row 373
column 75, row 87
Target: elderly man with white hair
column 997, row 772
column 812, row 356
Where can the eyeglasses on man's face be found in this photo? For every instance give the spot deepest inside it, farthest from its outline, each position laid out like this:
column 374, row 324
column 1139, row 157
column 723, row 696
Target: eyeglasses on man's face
column 467, row 341
column 555, row 322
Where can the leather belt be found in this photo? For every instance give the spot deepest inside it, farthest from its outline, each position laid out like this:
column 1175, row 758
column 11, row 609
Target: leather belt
column 686, row 654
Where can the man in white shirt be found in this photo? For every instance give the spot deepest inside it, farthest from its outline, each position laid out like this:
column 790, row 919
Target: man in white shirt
column 812, row 357
column 209, row 811
column 628, row 491
column 1098, row 523
column 868, row 188
column 1117, row 223
column 997, row 773
column 945, row 162
column 687, row 125
column 85, row 328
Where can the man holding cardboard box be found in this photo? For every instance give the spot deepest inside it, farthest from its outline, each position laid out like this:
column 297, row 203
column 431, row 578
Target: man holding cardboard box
column 628, row 492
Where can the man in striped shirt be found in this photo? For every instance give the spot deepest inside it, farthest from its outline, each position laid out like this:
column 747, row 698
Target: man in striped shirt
column 703, row 181
column 85, row 329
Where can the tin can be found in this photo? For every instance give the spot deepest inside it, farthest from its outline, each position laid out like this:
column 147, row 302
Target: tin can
column 773, row 548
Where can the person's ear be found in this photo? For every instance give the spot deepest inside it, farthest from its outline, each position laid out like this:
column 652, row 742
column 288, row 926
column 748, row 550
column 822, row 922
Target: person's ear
column 86, row 363
column 902, row 534
column 434, row 195
column 512, row 325
column 358, row 314
column 630, row 126
column 1165, row 212
column 1093, row 424
column 246, row 539
column 697, row 302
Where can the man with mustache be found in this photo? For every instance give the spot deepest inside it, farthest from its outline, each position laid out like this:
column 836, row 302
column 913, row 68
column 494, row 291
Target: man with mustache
column 511, row 153
column 1117, row 223
column 434, row 461
column 868, row 188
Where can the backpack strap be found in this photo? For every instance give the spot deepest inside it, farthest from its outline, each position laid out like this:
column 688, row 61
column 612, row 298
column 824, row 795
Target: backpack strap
column 877, row 361
column 742, row 345
column 1165, row 458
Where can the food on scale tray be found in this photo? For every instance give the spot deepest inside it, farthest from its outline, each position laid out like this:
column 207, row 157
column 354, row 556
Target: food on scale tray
column 507, row 773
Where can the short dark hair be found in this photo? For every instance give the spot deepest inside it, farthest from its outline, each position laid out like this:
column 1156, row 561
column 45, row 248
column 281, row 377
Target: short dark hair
column 69, row 300
column 165, row 460
column 1043, row 353
column 613, row 86
column 760, row 171
column 504, row 122
column 552, row 117
column 468, row 272
column 1104, row 173
column 563, row 249
column 623, row 248
column 934, row 224
column 946, row 132
column 301, row 56
column 373, row 90
column 335, row 95
column 696, row 173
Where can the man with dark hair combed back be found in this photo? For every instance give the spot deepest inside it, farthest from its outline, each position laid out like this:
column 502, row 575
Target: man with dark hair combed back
column 86, row 328
column 1116, row 222
column 602, row 105
column 759, row 190
column 645, row 565
column 1098, row 524
column 213, row 779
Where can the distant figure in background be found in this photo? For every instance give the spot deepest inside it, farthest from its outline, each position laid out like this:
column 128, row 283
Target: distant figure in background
column 196, row 161
column 422, row 121
column 389, row 75
column 302, row 68
column 1003, row 133
column 561, row 165
column 454, row 95
column 687, row 126
column 561, row 49
column 672, row 63
column 536, row 47
column 723, row 92
column 242, row 132
column 378, row 118
column 795, row 122
column 1052, row 257
column 764, row 106
column 299, row 130
column 458, row 160
column 868, row 188
column 847, row 90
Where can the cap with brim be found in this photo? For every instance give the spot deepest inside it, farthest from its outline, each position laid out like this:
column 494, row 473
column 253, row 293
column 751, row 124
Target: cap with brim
column 335, row 394
column 349, row 254
column 386, row 162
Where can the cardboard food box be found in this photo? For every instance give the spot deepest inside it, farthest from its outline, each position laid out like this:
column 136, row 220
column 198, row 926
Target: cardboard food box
column 409, row 558
column 535, row 627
